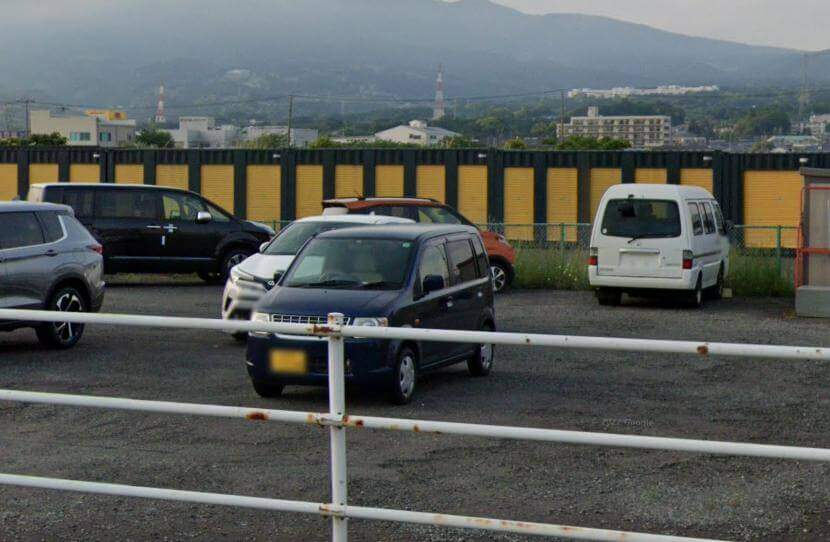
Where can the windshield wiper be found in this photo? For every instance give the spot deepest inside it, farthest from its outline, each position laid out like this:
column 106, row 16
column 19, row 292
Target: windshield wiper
column 650, row 236
column 378, row 285
column 334, row 283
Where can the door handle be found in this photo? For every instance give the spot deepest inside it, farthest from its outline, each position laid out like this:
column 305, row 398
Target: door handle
column 153, row 227
column 170, row 228
column 51, row 252
column 448, row 302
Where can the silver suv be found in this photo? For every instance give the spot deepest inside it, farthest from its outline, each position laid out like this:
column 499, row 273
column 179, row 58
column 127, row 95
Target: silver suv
column 48, row 260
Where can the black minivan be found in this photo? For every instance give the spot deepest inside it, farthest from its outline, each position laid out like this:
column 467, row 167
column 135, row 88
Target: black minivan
column 404, row 276
column 154, row 229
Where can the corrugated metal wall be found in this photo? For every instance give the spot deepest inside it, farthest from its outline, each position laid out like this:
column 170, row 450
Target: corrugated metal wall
column 389, row 181
column 84, row 173
column 651, row 176
column 562, row 200
column 217, row 185
column 771, row 198
column 348, row 181
column 518, row 202
column 172, row 175
column 431, row 182
column 472, row 193
column 601, row 180
column 43, row 173
column 8, row 181
column 309, row 190
column 263, row 193
column 697, row 177
column 129, row 174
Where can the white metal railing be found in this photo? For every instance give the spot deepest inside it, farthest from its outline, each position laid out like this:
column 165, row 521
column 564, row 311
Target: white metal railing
column 337, row 420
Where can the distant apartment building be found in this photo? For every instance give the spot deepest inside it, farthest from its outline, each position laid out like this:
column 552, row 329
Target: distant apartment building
column 626, row 92
column 794, row 143
column 96, row 127
column 202, row 133
column 817, row 125
column 417, row 132
column 641, row 131
column 300, row 137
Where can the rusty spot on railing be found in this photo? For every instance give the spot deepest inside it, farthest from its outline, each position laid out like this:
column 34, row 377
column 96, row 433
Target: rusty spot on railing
column 317, row 329
column 256, row 416
column 416, row 428
column 703, row 349
column 356, row 422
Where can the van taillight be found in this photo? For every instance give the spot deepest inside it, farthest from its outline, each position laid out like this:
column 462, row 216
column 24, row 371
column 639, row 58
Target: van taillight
column 96, row 248
column 592, row 257
column 688, row 258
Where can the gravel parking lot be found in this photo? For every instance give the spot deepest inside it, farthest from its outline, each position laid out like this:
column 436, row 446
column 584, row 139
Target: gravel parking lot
column 762, row 401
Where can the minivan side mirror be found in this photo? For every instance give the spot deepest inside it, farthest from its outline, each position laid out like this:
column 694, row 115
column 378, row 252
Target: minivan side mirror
column 203, row 217
column 264, row 245
column 728, row 226
column 432, row 283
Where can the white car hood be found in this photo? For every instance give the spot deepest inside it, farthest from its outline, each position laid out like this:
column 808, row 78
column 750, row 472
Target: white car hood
column 264, row 266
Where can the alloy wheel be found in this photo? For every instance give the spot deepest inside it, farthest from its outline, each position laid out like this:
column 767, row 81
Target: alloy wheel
column 499, row 277
column 406, row 375
column 68, row 302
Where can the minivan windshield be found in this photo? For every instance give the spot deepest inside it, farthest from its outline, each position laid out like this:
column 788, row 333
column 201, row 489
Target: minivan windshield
column 351, row 264
column 294, row 236
column 641, row 218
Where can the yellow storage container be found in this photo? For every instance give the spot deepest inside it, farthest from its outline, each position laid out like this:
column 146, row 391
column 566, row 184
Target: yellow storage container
column 8, row 182
column 43, row 173
column 771, row 198
column 700, row 177
column 172, row 175
column 309, row 190
column 217, row 185
column 563, row 202
column 472, row 193
column 388, row 181
column 263, row 193
column 84, row 173
column 348, row 181
column 601, row 180
column 431, row 182
column 129, row 174
column 651, row 176
column 518, row 203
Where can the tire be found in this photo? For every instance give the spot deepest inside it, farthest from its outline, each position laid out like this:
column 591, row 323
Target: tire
column 404, row 377
column 694, row 299
column 62, row 335
column 267, row 390
column 231, row 258
column 716, row 291
column 608, row 297
column 241, row 337
column 482, row 361
column 502, row 276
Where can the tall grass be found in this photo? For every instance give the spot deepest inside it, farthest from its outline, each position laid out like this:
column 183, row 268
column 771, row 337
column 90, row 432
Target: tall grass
column 750, row 275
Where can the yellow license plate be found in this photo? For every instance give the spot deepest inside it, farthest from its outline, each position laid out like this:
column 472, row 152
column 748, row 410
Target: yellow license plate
column 289, row 361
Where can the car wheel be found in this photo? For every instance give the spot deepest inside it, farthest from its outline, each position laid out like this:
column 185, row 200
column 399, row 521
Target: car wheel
column 62, row 335
column 716, row 292
column 694, row 299
column 608, row 297
column 234, row 256
column 404, row 377
column 501, row 276
column 482, row 361
column 268, row 390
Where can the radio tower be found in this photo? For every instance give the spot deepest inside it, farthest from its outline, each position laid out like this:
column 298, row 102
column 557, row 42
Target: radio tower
column 438, row 111
column 160, row 118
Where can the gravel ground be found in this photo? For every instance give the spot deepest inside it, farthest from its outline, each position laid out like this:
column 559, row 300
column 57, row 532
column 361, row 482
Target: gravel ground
column 763, row 401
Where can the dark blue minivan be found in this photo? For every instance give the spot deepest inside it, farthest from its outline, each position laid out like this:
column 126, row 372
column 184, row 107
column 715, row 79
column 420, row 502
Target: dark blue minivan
column 405, row 276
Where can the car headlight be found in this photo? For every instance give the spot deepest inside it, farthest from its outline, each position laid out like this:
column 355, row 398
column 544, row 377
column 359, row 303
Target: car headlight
column 260, row 317
column 237, row 274
column 371, row 322
column 502, row 239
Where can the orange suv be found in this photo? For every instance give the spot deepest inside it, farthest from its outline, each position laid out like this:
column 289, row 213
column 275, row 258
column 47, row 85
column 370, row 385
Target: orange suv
column 429, row 211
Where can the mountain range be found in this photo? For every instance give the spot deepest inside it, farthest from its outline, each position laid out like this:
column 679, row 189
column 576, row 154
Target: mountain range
column 207, row 50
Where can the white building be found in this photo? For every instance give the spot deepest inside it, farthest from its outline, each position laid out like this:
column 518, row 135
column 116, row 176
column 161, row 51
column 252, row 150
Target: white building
column 817, row 125
column 300, row 137
column 416, row 132
column 794, row 143
column 201, row 132
column 625, row 92
column 104, row 128
column 642, row 131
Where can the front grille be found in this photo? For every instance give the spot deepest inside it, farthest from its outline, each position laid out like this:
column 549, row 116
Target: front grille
column 300, row 319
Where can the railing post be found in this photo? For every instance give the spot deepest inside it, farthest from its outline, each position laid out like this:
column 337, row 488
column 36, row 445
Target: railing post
column 337, row 409
column 778, row 249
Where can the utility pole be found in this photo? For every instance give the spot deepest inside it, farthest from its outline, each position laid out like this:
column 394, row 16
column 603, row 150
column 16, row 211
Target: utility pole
column 27, row 102
column 290, row 117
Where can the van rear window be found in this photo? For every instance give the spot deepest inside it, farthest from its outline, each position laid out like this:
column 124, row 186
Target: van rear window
column 641, row 218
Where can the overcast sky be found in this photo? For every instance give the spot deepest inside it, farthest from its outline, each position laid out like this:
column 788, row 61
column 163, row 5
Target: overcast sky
column 799, row 24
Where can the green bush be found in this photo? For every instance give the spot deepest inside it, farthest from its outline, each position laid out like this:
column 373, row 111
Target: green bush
column 552, row 268
column 757, row 275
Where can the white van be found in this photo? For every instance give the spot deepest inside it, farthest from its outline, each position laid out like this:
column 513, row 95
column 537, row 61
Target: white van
column 251, row 279
column 649, row 238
